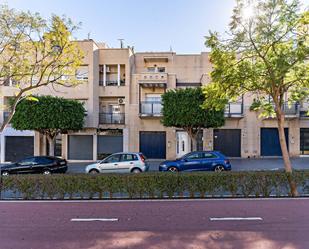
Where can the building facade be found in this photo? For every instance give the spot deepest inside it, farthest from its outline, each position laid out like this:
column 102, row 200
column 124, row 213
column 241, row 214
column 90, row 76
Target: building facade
column 122, row 97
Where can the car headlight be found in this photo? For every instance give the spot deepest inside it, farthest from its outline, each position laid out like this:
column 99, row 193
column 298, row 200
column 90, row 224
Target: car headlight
column 163, row 165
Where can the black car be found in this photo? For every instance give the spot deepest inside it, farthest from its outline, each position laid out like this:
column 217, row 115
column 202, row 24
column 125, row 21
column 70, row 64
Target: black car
column 36, row 165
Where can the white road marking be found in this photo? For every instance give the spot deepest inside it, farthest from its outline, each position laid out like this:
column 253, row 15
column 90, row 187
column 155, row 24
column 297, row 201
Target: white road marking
column 234, row 218
column 95, row 219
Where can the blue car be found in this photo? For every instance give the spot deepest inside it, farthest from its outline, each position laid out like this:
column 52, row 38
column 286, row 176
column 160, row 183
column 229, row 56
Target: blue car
column 198, row 161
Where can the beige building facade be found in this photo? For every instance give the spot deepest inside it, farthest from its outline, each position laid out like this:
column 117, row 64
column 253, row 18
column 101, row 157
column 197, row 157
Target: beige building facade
column 122, row 96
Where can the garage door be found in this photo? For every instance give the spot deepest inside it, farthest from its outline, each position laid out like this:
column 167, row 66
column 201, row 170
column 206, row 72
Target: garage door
column 109, row 144
column 80, row 147
column 270, row 145
column 228, row 141
column 18, row 147
column 153, row 144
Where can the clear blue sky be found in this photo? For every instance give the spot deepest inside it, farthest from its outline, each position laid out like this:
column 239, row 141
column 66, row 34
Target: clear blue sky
column 146, row 25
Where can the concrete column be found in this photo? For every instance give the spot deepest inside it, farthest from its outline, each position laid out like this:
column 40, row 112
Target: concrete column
column 65, row 146
column 118, row 75
column 37, row 143
column 2, row 148
column 104, row 75
column 95, row 146
column 125, row 133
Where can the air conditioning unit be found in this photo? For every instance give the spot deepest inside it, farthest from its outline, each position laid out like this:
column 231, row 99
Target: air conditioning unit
column 121, row 101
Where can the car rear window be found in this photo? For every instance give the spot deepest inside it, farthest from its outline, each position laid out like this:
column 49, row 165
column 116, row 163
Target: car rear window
column 209, row 155
column 129, row 157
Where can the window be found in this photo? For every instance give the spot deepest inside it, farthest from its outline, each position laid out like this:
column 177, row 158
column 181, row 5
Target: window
column 161, row 69
column 151, row 69
column 112, row 159
column 193, row 156
column 44, row 160
column 129, row 157
column 208, row 155
column 82, row 73
column 27, row 161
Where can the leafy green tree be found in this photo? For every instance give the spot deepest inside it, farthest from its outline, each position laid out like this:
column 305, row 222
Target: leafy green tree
column 182, row 108
column 49, row 116
column 264, row 53
column 35, row 52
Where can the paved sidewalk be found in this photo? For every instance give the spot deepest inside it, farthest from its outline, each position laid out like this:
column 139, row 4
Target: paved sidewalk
column 237, row 164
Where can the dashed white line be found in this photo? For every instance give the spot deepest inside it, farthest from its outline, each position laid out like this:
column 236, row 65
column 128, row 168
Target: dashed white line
column 234, row 218
column 94, row 219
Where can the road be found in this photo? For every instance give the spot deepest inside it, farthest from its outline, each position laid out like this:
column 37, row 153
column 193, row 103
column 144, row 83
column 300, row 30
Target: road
column 237, row 164
column 182, row 224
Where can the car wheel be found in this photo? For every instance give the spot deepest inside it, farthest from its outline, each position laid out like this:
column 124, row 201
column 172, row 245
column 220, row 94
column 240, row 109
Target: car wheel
column 46, row 172
column 136, row 171
column 5, row 173
column 172, row 169
column 94, row 172
column 219, row 168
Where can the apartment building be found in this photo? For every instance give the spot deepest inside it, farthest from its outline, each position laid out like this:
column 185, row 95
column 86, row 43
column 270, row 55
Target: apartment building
column 123, row 101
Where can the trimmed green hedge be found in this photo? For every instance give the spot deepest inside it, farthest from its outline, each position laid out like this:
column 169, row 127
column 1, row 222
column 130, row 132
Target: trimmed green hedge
column 154, row 185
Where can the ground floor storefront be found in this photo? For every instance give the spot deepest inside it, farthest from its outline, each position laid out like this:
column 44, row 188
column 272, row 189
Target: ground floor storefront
column 234, row 140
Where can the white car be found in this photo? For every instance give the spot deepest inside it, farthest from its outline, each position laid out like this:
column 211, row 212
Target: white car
column 125, row 162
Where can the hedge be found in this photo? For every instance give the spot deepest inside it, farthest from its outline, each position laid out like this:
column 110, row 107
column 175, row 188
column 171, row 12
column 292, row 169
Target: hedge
column 153, row 185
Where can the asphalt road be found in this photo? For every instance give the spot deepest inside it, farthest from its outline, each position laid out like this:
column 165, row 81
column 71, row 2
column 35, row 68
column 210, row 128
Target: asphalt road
column 237, row 164
column 275, row 223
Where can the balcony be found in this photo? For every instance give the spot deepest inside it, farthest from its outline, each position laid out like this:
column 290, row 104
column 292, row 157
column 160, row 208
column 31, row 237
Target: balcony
column 153, row 79
column 112, row 82
column 290, row 110
column 111, row 118
column 234, row 110
column 150, row 109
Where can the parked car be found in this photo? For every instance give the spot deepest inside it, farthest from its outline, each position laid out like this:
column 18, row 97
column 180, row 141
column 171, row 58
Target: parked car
column 125, row 162
column 198, row 161
column 36, row 165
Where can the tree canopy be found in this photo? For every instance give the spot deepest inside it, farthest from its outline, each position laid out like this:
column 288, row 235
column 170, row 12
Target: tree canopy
column 265, row 52
column 36, row 52
column 182, row 108
column 49, row 115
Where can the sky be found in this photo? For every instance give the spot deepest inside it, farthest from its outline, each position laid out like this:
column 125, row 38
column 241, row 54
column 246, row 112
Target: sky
column 158, row 25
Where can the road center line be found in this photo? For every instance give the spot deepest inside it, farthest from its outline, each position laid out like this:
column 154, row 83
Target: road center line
column 234, row 218
column 94, row 219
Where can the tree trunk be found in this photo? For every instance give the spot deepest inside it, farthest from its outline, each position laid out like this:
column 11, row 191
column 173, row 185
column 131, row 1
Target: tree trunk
column 285, row 152
column 194, row 143
column 51, row 143
column 193, row 139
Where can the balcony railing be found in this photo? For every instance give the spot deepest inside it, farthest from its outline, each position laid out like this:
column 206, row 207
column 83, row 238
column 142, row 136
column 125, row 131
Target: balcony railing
column 148, row 108
column 112, row 82
column 234, row 110
column 291, row 109
column 111, row 118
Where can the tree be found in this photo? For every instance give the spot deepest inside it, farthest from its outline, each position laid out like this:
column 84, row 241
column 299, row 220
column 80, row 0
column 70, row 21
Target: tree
column 35, row 52
column 264, row 53
column 182, row 109
column 49, row 116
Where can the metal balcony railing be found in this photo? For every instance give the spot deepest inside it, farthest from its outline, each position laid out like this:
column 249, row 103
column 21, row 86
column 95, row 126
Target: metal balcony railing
column 234, row 109
column 148, row 108
column 112, row 82
column 111, row 118
column 291, row 109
